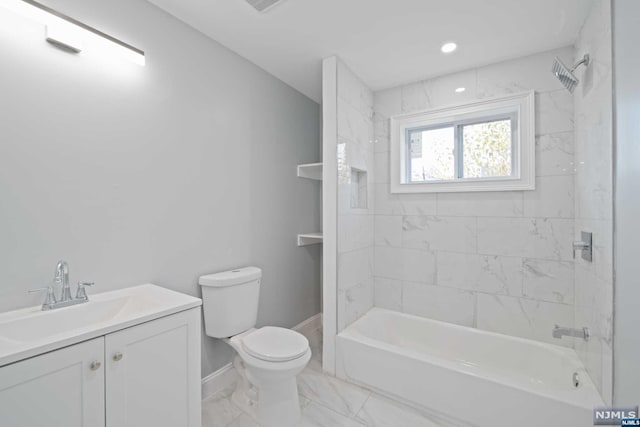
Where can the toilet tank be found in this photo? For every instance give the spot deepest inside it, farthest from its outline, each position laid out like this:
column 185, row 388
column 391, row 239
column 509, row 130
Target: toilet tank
column 230, row 301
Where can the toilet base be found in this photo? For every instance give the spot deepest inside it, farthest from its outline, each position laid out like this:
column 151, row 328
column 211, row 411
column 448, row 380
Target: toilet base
column 274, row 404
column 245, row 403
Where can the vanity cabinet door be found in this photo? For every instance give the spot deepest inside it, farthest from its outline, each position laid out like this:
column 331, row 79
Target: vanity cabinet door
column 63, row 388
column 153, row 373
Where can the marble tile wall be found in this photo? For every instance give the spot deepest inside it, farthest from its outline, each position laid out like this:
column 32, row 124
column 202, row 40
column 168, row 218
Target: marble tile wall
column 355, row 199
column 593, row 195
column 499, row 261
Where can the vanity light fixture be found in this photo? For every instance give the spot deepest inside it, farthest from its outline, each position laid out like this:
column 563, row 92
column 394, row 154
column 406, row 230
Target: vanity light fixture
column 460, row 89
column 72, row 35
column 449, row 47
column 65, row 37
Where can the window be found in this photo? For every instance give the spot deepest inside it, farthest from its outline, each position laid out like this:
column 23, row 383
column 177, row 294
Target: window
column 482, row 146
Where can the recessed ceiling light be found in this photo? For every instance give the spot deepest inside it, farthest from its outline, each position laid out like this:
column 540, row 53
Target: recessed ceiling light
column 263, row 5
column 461, row 89
column 448, row 47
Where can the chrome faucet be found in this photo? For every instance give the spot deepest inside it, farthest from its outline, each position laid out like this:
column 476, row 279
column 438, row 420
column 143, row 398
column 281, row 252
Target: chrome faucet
column 559, row 332
column 585, row 246
column 61, row 277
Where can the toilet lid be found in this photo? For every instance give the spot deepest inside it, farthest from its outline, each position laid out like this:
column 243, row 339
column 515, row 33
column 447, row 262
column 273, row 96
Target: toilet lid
column 275, row 344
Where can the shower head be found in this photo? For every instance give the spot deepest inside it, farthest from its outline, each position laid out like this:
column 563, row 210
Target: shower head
column 565, row 74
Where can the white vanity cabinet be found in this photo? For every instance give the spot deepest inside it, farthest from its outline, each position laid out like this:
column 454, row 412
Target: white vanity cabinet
column 153, row 373
column 61, row 388
column 146, row 375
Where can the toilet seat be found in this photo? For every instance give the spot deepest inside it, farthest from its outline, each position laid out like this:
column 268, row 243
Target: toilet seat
column 273, row 344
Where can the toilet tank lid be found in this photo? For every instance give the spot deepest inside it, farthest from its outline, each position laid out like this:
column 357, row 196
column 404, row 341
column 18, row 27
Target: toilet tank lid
column 231, row 277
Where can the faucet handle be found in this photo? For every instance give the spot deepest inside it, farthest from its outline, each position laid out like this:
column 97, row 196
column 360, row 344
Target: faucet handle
column 50, row 298
column 81, row 293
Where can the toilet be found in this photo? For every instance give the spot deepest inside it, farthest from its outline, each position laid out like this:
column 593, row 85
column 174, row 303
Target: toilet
column 269, row 358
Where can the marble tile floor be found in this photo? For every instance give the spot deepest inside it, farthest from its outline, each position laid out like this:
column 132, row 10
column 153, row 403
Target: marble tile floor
column 326, row 402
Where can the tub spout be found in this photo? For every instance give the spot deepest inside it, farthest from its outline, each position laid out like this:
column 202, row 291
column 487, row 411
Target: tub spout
column 559, row 332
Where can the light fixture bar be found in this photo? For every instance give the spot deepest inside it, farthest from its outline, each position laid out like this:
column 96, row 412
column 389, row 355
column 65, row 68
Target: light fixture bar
column 86, row 27
column 72, row 35
column 64, row 39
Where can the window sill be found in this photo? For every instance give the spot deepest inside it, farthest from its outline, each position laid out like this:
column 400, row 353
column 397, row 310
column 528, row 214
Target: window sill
column 461, row 186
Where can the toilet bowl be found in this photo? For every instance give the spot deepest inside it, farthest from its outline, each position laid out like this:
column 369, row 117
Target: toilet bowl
column 271, row 368
column 268, row 358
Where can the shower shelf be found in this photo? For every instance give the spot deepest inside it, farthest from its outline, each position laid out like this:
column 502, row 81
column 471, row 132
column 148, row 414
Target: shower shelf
column 309, row 239
column 310, row 171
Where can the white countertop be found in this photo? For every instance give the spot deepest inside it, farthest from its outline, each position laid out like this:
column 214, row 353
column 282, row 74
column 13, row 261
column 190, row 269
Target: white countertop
column 30, row 331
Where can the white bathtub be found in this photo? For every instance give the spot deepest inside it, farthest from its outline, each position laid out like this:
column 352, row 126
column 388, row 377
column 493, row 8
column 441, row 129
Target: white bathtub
column 468, row 376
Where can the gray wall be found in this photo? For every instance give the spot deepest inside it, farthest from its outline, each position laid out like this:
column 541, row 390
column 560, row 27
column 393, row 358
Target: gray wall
column 153, row 174
column 626, row 62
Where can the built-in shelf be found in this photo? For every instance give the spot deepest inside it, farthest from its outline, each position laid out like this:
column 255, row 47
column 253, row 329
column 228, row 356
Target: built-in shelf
column 309, row 239
column 310, row 171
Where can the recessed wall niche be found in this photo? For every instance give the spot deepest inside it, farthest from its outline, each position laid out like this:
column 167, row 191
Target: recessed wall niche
column 358, row 188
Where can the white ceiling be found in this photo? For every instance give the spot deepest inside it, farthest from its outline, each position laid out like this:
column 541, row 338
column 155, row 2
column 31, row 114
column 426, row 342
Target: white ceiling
column 385, row 42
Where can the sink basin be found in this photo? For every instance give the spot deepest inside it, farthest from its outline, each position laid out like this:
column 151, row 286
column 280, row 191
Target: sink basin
column 38, row 327
column 27, row 332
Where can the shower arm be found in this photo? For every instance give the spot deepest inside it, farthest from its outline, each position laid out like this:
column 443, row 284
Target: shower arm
column 585, row 60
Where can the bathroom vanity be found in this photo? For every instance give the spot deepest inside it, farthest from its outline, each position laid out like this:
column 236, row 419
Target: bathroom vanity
column 127, row 358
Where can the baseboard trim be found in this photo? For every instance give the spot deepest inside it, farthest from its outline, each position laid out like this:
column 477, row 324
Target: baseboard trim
column 219, row 380
column 226, row 376
column 307, row 327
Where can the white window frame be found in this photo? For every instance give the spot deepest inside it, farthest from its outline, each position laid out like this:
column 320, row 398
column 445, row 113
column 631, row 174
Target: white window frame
column 519, row 105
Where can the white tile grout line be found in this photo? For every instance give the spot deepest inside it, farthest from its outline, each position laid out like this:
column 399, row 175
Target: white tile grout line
column 340, row 415
column 368, row 392
column 355, row 417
